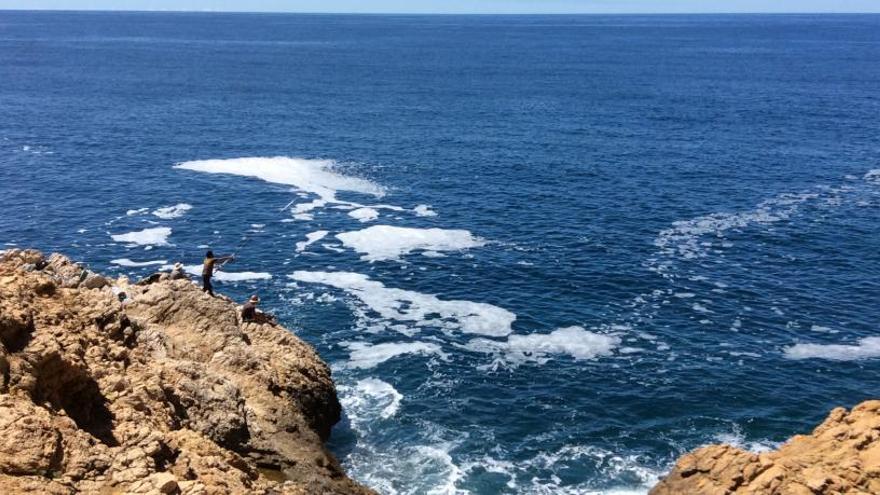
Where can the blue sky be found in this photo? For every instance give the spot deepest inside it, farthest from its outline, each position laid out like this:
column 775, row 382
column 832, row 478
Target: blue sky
column 460, row 6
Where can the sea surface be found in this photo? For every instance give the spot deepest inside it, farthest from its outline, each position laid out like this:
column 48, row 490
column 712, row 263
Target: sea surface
column 543, row 255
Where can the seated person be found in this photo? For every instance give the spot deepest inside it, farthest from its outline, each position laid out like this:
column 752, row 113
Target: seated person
column 249, row 310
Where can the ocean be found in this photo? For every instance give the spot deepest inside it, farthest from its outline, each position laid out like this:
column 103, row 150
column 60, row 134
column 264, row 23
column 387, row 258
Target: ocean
column 542, row 254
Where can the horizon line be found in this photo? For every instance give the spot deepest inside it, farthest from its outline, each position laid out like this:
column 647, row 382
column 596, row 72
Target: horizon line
column 306, row 12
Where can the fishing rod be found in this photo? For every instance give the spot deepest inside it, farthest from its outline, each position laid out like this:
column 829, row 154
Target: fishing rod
column 246, row 239
column 288, row 204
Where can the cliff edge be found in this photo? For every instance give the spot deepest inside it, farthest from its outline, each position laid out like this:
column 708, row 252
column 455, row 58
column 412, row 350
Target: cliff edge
column 164, row 391
column 841, row 456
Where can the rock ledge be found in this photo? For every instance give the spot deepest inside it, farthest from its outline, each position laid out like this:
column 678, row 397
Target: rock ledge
column 841, row 456
column 164, row 393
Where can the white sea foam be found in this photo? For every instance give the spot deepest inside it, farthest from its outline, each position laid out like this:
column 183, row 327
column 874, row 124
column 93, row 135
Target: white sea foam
column 873, row 176
column 686, row 238
column 414, row 307
column 364, row 214
column 318, row 177
column 364, row 355
column 227, row 276
column 311, row 238
column 400, row 468
column 867, row 348
column 540, row 348
column 130, row 263
column 538, row 475
column 424, row 211
column 169, row 212
column 241, row 276
column 157, row 236
column 737, row 438
column 386, row 242
column 369, row 399
column 302, row 211
column 138, row 211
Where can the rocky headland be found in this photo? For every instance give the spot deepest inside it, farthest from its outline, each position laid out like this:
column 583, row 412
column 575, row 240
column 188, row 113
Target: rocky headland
column 163, row 390
column 841, row 456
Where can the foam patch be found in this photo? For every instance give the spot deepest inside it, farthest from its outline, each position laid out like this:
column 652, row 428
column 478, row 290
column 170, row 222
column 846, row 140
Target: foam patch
column 157, row 236
column 313, row 176
column 364, row 355
column 539, row 348
column 867, row 348
column 415, row 308
column 386, row 242
column 311, row 238
column 424, row 211
column 364, row 214
column 170, row 212
column 133, row 264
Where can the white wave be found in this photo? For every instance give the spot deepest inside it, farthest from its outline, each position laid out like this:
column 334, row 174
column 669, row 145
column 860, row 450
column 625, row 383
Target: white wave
column 684, row 237
column 386, row 242
column 369, row 399
column 169, row 212
column 688, row 238
column 424, row 211
column 157, row 236
column 867, row 348
column 364, row 355
column 138, row 211
column 539, row 348
column 873, row 176
column 737, row 438
column 227, row 276
column 414, row 307
column 311, row 238
column 318, row 177
column 364, row 214
column 538, row 475
column 130, row 263
column 398, row 468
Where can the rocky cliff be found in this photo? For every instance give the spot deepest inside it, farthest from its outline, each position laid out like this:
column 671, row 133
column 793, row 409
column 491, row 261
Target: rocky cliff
column 164, row 391
column 841, row 456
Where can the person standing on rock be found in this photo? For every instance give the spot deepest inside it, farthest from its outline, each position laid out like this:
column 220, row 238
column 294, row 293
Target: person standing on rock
column 208, row 270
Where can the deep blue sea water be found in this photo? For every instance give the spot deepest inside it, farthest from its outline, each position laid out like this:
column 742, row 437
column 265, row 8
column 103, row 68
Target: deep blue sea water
column 679, row 212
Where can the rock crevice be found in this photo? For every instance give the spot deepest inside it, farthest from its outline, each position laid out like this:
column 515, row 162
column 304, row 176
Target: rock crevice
column 165, row 391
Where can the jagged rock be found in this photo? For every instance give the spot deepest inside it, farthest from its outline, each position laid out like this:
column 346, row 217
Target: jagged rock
column 163, row 392
column 841, row 456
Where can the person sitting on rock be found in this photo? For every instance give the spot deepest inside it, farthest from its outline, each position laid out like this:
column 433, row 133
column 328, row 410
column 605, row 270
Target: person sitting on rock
column 178, row 271
column 249, row 310
column 208, row 270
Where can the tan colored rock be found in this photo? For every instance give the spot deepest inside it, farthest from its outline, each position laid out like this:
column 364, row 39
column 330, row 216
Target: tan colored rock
column 165, row 393
column 842, row 456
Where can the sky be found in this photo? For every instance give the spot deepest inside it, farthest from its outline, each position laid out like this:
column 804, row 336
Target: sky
column 460, row 6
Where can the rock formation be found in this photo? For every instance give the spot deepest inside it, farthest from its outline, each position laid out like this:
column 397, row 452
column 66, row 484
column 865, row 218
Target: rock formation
column 161, row 391
column 842, row 456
